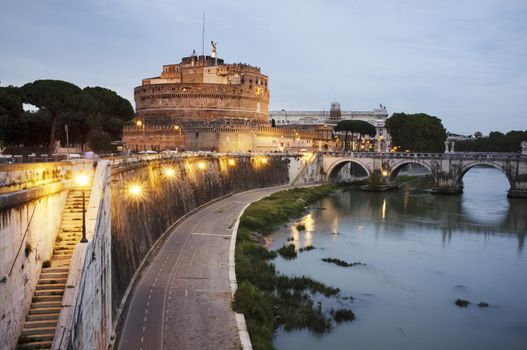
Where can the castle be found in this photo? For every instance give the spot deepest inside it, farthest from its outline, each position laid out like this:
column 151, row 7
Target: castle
column 203, row 89
column 203, row 103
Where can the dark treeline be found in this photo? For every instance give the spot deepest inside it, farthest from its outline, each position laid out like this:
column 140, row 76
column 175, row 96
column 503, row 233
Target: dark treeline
column 416, row 132
column 495, row 142
column 94, row 115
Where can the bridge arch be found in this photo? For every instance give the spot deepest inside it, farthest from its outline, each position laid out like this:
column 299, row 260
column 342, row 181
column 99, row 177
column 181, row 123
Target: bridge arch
column 396, row 167
column 467, row 166
column 337, row 166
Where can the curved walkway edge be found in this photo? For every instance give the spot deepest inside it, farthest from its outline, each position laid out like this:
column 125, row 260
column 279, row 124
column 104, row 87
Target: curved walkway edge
column 182, row 297
column 245, row 340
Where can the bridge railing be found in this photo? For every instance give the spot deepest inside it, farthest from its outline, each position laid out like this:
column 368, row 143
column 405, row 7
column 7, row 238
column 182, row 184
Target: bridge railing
column 451, row 155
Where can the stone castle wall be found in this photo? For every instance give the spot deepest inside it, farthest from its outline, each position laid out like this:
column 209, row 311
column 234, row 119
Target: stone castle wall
column 137, row 224
column 203, row 88
column 221, row 138
column 178, row 103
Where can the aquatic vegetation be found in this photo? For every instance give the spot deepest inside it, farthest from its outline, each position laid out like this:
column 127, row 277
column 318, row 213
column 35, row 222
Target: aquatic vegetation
column 287, row 252
column 306, row 248
column 266, row 298
column 341, row 262
column 462, row 302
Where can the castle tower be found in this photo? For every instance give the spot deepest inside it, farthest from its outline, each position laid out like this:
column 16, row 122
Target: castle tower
column 335, row 114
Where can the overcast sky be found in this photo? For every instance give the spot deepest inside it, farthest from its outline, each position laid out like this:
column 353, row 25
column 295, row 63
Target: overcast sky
column 464, row 61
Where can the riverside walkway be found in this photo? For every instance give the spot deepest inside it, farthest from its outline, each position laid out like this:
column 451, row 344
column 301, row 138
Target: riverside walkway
column 183, row 299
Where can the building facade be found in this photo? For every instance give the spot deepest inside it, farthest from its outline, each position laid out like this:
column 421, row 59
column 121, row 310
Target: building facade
column 376, row 117
column 203, row 88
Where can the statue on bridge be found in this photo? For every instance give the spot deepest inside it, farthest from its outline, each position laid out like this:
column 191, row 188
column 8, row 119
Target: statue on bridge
column 449, row 146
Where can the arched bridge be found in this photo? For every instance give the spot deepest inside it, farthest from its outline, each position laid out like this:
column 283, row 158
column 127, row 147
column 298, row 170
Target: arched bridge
column 447, row 169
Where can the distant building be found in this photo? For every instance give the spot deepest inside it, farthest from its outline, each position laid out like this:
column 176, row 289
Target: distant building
column 376, row 117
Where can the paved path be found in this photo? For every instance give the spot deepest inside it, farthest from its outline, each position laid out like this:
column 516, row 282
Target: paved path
column 183, row 299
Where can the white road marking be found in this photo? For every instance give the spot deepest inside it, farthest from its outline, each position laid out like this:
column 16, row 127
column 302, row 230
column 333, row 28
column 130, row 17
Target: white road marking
column 142, row 339
column 186, row 292
column 211, row 291
column 144, row 319
column 144, row 327
column 210, row 234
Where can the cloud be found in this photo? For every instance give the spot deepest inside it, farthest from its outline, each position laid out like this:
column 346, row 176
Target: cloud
column 464, row 61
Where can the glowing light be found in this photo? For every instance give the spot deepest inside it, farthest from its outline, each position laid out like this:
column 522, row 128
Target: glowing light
column 82, row 180
column 139, row 123
column 202, row 165
column 135, row 190
column 263, row 160
column 383, row 210
column 385, row 173
column 169, row 172
column 232, row 162
column 176, row 127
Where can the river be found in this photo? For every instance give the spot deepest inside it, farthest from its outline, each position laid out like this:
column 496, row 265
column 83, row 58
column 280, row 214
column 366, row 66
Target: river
column 421, row 253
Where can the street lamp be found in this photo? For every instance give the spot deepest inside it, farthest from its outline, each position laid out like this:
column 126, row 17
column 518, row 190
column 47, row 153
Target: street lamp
column 170, row 172
column 141, row 124
column 135, row 191
column 82, row 181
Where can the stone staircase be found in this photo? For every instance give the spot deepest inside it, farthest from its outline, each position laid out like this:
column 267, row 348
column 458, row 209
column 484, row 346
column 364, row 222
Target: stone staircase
column 41, row 320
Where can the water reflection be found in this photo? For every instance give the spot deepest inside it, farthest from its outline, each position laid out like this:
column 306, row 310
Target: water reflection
column 476, row 210
column 308, row 224
column 422, row 252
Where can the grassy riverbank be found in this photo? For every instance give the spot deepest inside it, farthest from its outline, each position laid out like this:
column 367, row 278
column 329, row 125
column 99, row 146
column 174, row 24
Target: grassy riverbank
column 268, row 299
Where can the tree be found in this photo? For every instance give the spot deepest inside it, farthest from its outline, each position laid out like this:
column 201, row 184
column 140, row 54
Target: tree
column 56, row 97
column 110, row 111
column 346, row 126
column 355, row 127
column 495, row 142
column 417, row 132
column 363, row 128
column 99, row 141
column 11, row 114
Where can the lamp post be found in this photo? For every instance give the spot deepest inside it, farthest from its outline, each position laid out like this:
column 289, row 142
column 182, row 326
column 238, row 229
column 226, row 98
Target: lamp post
column 141, row 124
column 82, row 181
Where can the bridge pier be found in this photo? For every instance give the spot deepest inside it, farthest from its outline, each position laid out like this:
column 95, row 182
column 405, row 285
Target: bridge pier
column 379, row 181
column 513, row 193
column 518, row 187
column 447, row 189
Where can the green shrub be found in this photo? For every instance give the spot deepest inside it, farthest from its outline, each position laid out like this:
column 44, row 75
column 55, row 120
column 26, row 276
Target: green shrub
column 268, row 299
column 287, row 252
